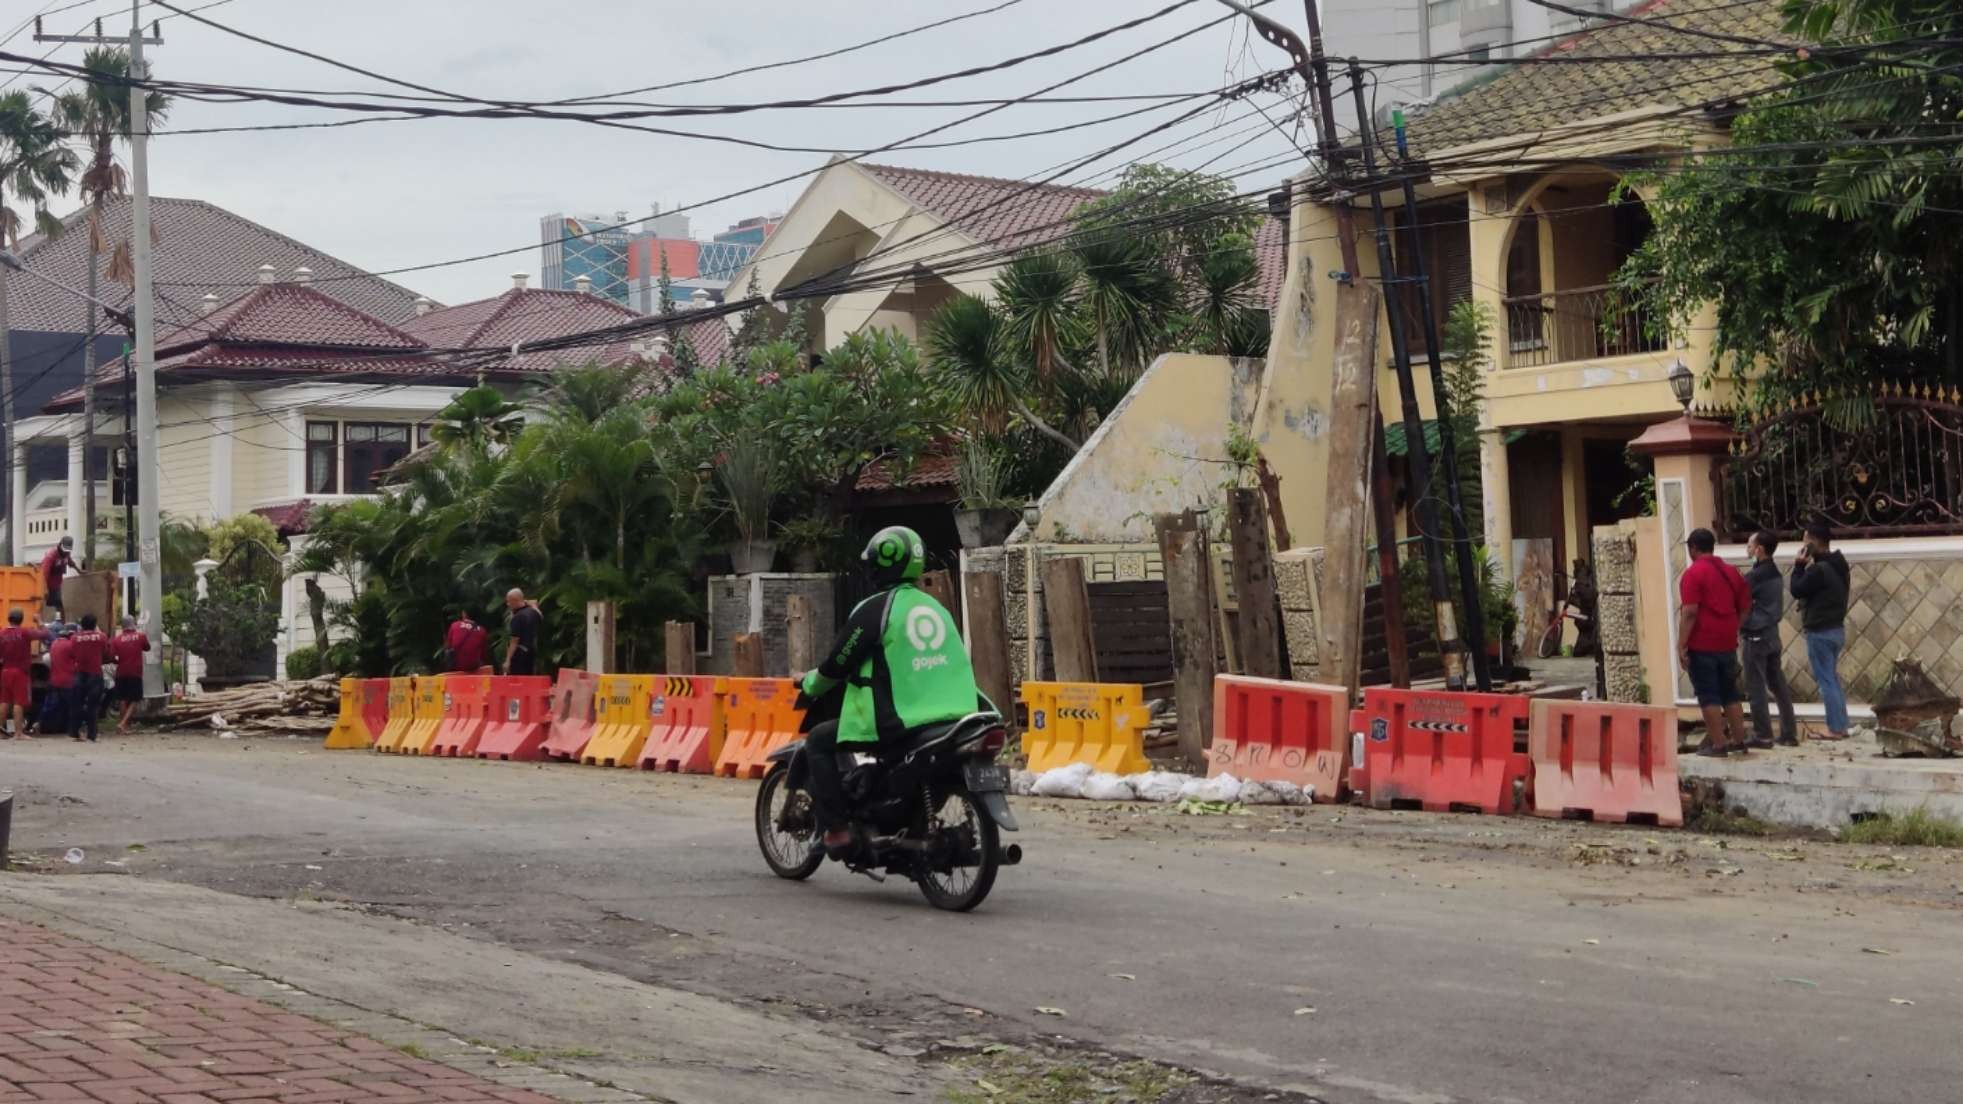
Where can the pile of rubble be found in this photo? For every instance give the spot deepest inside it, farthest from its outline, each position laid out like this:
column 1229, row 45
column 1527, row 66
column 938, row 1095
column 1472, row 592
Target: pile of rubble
column 303, row 708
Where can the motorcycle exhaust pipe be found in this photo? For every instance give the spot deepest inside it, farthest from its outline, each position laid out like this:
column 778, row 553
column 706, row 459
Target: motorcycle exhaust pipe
column 1012, row 854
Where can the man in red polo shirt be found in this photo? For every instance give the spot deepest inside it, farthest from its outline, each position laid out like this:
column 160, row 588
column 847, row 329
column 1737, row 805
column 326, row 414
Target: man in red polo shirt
column 91, row 652
column 60, row 705
column 128, row 648
column 54, row 568
column 465, row 645
column 16, row 656
column 1714, row 597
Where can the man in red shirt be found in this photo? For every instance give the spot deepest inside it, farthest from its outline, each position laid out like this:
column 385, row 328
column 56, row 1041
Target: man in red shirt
column 91, row 652
column 128, row 648
column 54, row 568
column 466, row 644
column 16, row 656
column 61, row 680
column 1714, row 597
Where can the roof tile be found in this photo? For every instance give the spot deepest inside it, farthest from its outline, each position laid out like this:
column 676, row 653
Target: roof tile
column 988, row 209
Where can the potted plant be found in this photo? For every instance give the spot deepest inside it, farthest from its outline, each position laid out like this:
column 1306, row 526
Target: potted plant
column 987, row 515
column 807, row 538
column 749, row 480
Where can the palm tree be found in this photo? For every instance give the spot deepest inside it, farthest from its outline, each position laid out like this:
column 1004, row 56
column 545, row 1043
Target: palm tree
column 1128, row 294
column 98, row 113
column 966, row 339
column 1227, row 280
column 33, row 164
column 1038, row 297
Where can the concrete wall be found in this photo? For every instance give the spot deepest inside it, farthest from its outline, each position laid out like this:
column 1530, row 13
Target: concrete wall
column 756, row 603
column 1163, row 449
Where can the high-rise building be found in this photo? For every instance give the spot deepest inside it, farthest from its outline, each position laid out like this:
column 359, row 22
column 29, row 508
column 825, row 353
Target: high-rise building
column 572, row 246
column 692, row 265
column 1461, row 30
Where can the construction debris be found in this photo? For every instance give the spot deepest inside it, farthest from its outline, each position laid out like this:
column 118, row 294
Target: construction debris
column 299, row 707
column 1914, row 715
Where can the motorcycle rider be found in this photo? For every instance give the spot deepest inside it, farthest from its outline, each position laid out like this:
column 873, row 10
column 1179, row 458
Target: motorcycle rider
column 904, row 668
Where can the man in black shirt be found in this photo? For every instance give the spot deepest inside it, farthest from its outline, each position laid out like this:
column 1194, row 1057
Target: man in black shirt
column 521, row 654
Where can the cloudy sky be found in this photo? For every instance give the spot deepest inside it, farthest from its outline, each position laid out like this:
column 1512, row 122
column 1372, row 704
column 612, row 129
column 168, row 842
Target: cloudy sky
column 389, row 195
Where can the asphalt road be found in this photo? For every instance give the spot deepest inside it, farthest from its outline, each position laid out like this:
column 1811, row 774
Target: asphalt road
column 1445, row 958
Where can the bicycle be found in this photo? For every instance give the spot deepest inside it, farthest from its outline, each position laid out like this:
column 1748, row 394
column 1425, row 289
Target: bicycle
column 1565, row 610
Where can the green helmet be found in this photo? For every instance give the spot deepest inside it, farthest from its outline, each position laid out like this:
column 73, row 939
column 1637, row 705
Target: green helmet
column 895, row 555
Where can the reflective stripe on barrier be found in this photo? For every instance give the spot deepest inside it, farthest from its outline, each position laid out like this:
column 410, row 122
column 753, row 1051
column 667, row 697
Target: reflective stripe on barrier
column 521, row 713
column 350, row 726
column 1442, row 751
column 1099, row 723
column 572, row 715
column 402, row 714
column 1268, row 730
column 428, row 715
column 620, row 721
column 466, row 710
column 760, row 716
column 687, row 726
column 1605, row 761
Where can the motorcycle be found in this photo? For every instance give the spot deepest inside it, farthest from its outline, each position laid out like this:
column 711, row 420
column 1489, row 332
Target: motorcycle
column 933, row 810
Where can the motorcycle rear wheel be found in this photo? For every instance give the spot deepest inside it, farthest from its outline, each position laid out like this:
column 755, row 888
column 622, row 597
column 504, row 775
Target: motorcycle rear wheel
column 788, row 854
column 961, row 888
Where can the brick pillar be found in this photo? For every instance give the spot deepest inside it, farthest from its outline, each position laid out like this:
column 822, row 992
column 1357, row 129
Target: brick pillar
column 1615, row 588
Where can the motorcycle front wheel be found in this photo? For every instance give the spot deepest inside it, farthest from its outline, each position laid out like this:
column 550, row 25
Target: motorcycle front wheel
column 785, row 827
column 960, row 888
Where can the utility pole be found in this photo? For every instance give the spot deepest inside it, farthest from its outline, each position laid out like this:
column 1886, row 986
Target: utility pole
column 144, row 334
column 1416, row 454
column 1356, row 430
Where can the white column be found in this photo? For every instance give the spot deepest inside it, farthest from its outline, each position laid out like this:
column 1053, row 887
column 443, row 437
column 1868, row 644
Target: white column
column 222, row 428
column 18, row 522
column 77, row 448
column 194, row 664
column 1496, row 499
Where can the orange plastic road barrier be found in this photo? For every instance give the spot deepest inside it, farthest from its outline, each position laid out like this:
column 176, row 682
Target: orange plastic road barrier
column 572, row 715
column 620, row 721
column 401, row 714
column 521, row 717
column 1605, row 761
column 1443, row 751
column 351, row 726
column 466, row 710
column 1268, row 730
column 1099, row 723
column 428, row 715
column 760, row 716
column 687, row 733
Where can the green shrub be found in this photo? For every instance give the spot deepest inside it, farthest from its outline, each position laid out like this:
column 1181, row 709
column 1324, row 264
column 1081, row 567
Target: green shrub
column 1918, row 828
column 303, row 663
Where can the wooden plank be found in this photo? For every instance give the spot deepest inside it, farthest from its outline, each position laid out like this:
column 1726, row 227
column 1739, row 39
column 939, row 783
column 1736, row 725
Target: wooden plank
column 1183, row 548
column 801, row 633
column 1346, row 531
column 679, row 648
column 940, row 584
column 748, row 661
column 1068, row 605
column 1259, row 620
column 988, row 638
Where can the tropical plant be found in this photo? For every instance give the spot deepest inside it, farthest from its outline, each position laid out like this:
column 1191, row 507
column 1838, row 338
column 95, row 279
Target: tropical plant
column 231, row 626
column 98, row 112
column 1182, row 216
column 983, row 472
column 34, row 164
column 750, row 483
column 1226, row 280
column 247, row 548
column 1038, row 296
column 303, row 663
column 968, row 345
column 1129, row 299
column 477, row 419
column 1466, row 345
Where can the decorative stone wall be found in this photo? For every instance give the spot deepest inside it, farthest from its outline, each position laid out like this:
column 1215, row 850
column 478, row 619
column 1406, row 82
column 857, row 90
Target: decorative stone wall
column 1298, row 581
column 1615, row 584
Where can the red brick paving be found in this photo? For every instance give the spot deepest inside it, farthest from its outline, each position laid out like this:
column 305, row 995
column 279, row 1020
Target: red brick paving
column 83, row 1025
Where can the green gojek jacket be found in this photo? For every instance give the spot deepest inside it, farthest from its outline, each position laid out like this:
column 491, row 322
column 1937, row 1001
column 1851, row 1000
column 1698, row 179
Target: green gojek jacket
column 904, row 666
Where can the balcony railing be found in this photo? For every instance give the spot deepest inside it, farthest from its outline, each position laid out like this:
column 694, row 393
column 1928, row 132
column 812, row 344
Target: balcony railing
column 1588, row 323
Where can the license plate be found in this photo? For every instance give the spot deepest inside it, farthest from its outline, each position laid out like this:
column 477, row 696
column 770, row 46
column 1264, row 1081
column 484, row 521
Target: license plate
column 986, row 777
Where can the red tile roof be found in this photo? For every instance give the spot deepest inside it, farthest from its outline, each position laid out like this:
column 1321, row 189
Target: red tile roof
column 290, row 518
column 1271, row 249
column 518, row 315
column 289, row 314
column 986, row 208
column 711, row 338
column 200, row 248
column 930, row 473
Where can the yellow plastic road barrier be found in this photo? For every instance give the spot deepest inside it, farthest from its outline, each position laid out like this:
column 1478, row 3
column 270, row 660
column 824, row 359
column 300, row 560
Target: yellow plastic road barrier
column 402, row 714
column 621, row 722
column 1099, row 723
column 350, row 727
column 430, row 703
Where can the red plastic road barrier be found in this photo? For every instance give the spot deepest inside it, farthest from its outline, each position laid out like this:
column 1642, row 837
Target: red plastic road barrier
column 375, row 706
column 1605, row 761
column 687, row 734
column 1268, row 730
column 521, row 718
column 761, row 716
column 572, row 715
column 1442, row 751
column 466, row 710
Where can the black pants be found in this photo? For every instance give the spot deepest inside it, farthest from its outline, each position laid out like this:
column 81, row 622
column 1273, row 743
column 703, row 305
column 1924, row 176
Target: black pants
column 1763, row 674
column 521, row 662
column 85, row 708
column 825, row 782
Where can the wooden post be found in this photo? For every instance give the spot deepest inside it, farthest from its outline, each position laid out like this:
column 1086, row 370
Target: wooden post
column 748, row 660
column 599, row 638
column 1254, row 585
column 988, row 638
column 1189, row 602
column 1067, row 601
column 801, row 633
column 1391, row 584
column 1352, row 424
column 680, row 648
column 940, row 585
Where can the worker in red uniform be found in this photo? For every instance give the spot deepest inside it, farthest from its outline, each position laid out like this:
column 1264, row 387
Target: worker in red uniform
column 16, row 656
column 54, row 568
column 128, row 648
column 61, row 680
column 465, row 645
column 91, row 652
